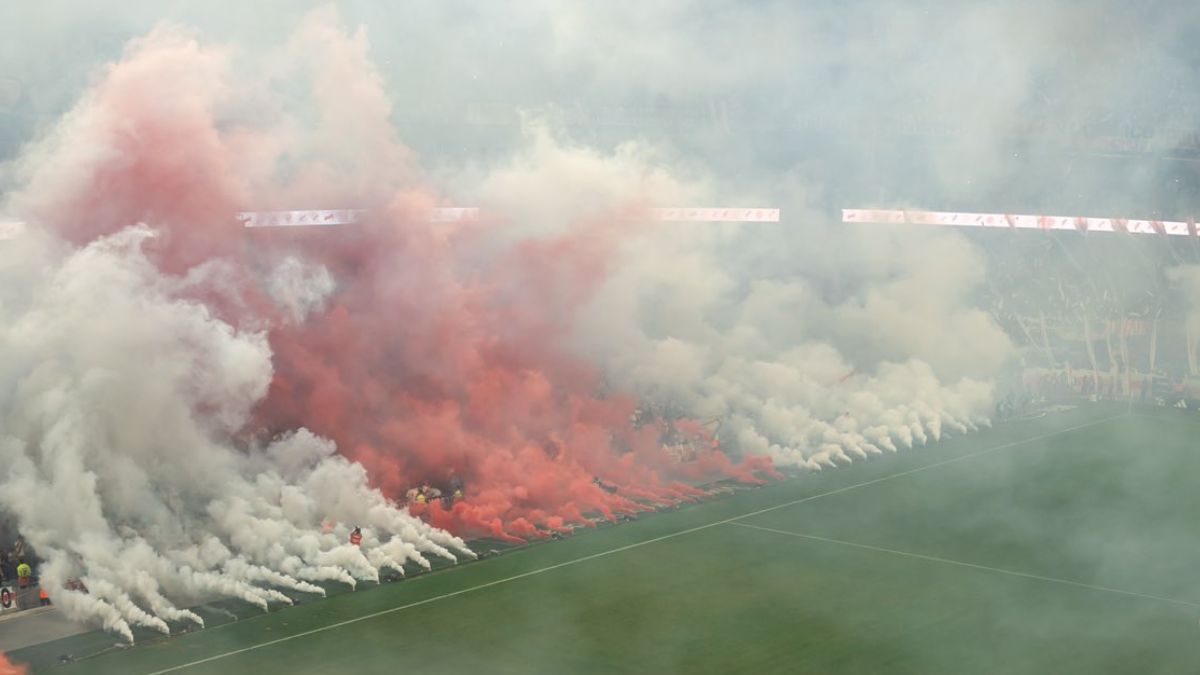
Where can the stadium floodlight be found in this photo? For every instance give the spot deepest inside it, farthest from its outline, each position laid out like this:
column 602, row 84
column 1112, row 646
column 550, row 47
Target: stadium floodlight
column 330, row 217
column 1020, row 222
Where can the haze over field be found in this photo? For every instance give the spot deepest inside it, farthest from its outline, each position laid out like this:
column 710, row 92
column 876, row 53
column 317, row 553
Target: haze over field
column 217, row 408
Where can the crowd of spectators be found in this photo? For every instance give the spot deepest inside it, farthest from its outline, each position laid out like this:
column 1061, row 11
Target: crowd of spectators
column 15, row 564
column 18, row 578
column 1093, row 317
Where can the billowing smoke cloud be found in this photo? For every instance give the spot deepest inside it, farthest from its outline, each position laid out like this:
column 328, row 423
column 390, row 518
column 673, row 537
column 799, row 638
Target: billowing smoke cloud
column 739, row 323
column 206, row 398
column 123, row 401
column 163, row 367
column 865, row 96
column 299, row 289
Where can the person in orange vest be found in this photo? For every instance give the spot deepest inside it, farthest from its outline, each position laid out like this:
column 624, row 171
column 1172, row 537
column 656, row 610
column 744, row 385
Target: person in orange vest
column 43, row 597
column 356, row 537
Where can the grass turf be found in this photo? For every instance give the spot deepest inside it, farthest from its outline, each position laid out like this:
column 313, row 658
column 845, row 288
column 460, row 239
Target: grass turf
column 909, row 563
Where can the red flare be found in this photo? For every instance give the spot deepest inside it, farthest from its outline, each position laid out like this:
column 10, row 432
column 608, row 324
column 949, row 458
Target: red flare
column 9, row 668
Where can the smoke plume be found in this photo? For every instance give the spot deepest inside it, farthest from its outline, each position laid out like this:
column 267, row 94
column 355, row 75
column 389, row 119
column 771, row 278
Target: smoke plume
column 809, row 345
column 217, row 407
column 163, row 369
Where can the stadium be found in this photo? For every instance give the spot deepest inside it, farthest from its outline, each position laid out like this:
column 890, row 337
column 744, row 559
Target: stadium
column 702, row 337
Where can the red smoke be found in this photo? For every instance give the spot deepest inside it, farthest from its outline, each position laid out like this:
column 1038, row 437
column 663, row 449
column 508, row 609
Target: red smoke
column 440, row 350
column 9, row 668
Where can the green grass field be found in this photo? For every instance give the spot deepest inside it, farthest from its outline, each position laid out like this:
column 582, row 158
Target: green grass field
column 1064, row 544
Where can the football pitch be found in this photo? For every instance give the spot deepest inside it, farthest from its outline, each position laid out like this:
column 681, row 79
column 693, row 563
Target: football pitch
column 1069, row 543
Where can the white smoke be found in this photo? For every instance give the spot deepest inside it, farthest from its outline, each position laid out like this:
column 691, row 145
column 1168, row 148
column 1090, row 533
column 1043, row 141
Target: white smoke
column 727, row 321
column 122, row 401
column 1186, row 278
column 300, row 288
column 119, row 403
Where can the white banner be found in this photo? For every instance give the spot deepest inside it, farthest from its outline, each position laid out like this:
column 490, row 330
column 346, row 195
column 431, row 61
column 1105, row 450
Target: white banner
column 456, row 214
column 1015, row 221
column 717, row 215
column 299, row 218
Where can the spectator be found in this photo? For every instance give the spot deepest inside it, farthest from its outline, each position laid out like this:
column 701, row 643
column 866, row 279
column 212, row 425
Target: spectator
column 455, row 486
column 607, row 487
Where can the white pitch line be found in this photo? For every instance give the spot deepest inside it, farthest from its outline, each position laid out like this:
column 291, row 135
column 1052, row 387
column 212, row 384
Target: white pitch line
column 627, row 547
column 959, row 563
